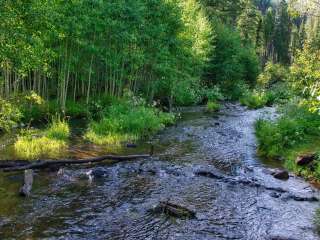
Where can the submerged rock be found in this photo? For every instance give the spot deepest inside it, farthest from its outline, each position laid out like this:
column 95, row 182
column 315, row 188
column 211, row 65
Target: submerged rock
column 305, row 159
column 291, row 196
column 208, row 174
column 281, row 174
column 174, row 210
column 282, row 238
column 275, row 194
column 131, row 145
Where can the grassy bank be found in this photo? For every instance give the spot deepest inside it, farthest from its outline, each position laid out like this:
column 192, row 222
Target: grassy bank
column 32, row 144
column 112, row 121
column 127, row 119
column 295, row 133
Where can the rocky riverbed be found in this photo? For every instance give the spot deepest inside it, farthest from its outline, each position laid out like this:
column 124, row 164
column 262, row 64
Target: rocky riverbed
column 204, row 182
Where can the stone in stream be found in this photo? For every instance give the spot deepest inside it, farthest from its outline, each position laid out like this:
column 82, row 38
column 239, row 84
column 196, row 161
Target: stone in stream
column 131, row 145
column 291, row 196
column 98, row 172
column 208, row 174
column 281, row 174
column 275, row 194
column 305, row 159
column 174, row 210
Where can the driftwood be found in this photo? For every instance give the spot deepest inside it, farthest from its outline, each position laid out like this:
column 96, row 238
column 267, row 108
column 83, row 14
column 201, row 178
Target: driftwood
column 27, row 185
column 25, row 165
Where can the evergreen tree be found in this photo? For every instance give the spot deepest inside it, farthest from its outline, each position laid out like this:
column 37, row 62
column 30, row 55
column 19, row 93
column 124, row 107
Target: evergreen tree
column 249, row 23
column 268, row 34
column 282, row 34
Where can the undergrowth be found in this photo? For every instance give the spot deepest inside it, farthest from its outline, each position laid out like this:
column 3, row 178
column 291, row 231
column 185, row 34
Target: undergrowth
column 127, row 120
column 32, row 144
column 295, row 132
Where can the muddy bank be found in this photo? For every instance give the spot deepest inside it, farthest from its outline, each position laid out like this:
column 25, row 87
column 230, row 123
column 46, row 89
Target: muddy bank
column 207, row 164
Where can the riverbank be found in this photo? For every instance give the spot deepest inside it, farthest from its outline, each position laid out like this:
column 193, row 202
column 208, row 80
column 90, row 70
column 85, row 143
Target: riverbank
column 238, row 198
column 111, row 122
column 293, row 135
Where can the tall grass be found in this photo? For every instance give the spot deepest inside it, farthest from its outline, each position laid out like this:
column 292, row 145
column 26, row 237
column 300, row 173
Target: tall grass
column 254, row 100
column 213, row 106
column 32, row 144
column 127, row 121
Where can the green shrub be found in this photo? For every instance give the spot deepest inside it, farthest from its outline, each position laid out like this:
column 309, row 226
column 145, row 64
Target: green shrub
column 32, row 144
column 277, row 93
column 297, row 126
column 254, row 100
column 128, row 120
column 10, row 115
column 213, row 106
column 32, row 106
column 305, row 72
column 237, row 91
column 212, row 94
column 272, row 74
column 186, row 93
column 76, row 109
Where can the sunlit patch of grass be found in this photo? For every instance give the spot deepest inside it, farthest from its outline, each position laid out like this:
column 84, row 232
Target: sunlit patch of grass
column 213, row 106
column 33, row 148
column 58, row 130
column 109, row 139
column 32, row 144
column 254, row 100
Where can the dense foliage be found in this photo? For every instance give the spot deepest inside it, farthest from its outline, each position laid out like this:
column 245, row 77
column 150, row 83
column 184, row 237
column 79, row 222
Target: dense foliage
column 79, row 49
column 127, row 119
column 232, row 64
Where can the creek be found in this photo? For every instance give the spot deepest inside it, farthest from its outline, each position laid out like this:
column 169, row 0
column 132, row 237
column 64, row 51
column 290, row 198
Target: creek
column 207, row 163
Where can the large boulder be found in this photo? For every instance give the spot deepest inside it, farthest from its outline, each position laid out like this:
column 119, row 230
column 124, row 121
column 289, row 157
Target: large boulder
column 305, row 159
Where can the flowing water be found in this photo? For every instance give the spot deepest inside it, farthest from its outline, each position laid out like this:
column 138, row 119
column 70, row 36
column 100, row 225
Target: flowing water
column 206, row 163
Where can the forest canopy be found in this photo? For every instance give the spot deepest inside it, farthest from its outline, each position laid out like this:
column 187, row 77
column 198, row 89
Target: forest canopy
column 81, row 49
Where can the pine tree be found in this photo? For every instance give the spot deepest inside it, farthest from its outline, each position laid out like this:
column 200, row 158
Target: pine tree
column 248, row 23
column 282, row 34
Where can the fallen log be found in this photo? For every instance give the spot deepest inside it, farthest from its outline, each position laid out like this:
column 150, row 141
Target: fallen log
column 27, row 183
column 40, row 164
column 13, row 163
